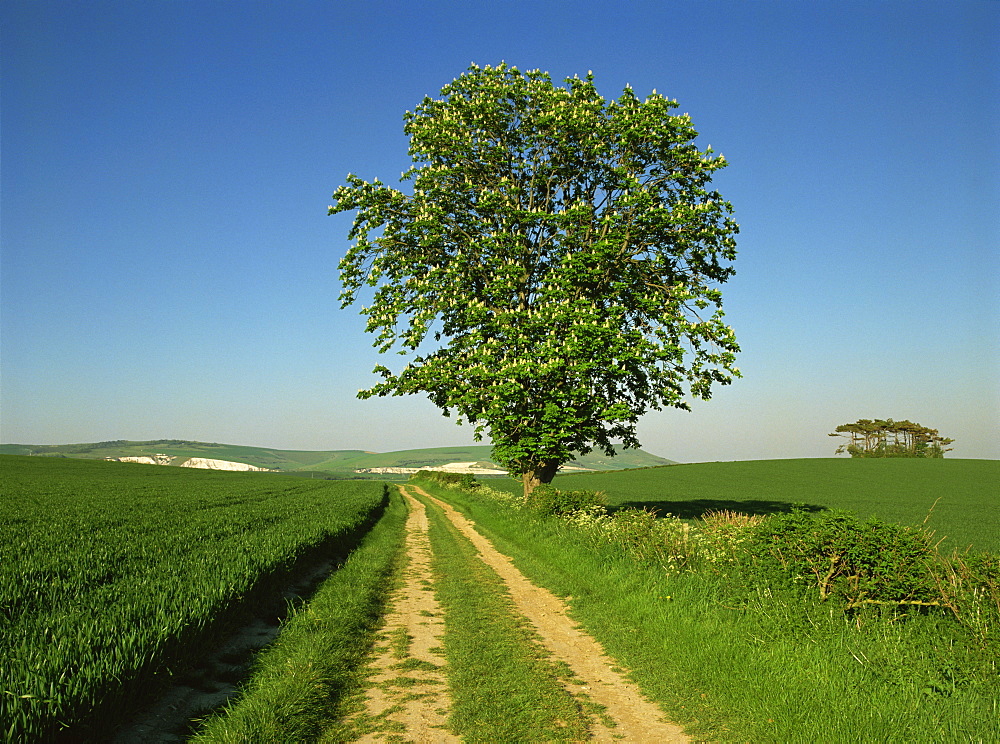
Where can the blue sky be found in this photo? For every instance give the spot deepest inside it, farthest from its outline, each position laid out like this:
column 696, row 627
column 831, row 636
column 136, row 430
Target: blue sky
column 169, row 271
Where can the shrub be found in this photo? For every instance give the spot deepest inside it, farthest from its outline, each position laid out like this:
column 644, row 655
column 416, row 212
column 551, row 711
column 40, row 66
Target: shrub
column 832, row 554
column 550, row 501
column 869, row 562
column 460, row 480
column 645, row 536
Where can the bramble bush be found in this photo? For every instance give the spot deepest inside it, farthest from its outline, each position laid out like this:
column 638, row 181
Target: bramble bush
column 869, row 562
column 857, row 562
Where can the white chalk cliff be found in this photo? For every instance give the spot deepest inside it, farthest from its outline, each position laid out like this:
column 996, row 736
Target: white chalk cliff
column 203, row 463
column 209, row 464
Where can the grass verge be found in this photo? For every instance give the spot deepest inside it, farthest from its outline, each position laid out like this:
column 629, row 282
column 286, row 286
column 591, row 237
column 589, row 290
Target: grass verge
column 504, row 686
column 308, row 680
column 760, row 666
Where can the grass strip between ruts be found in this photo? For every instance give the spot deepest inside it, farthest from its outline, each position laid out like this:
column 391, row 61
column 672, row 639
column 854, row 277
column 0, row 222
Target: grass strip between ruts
column 310, row 678
column 503, row 684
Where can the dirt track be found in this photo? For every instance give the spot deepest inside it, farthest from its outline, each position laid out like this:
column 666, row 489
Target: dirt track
column 414, row 629
column 636, row 719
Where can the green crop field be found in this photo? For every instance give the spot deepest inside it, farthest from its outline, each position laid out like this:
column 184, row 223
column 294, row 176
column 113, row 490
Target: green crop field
column 111, row 573
column 964, row 494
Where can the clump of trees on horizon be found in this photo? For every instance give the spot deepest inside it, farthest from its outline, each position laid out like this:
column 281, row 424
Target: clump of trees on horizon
column 888, row 438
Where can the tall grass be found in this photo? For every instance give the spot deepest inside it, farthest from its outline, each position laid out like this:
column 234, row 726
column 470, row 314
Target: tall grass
column 733, row 658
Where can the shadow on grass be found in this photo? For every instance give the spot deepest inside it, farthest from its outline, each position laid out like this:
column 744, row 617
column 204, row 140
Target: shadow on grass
column 694, row 508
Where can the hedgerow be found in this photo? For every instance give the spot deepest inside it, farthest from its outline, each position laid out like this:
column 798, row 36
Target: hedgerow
column 549, row 501
column 838, row 555
column 461, row 480
column 829, row 556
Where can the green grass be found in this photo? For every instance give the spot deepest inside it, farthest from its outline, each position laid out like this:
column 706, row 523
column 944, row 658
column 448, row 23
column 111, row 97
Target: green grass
column 308, row 680
column 113, row 576
column 115, row 571
column 764, row 666
column 503, row 685
column 963, row 494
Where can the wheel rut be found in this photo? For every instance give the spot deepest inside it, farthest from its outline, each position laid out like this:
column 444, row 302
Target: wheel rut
column 409, row 692
column 423, row 713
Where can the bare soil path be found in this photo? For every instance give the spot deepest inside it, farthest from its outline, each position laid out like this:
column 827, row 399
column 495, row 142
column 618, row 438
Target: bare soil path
column 409, row 691
column 635, row 718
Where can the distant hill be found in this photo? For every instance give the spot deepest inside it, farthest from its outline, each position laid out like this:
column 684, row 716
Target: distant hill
column 331, row 461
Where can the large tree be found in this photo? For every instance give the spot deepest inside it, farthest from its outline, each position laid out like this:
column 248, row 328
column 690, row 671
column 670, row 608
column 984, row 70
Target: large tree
column 553, row 268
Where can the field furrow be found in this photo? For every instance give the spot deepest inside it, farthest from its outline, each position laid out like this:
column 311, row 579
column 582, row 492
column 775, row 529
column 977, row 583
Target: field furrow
column 118, row 579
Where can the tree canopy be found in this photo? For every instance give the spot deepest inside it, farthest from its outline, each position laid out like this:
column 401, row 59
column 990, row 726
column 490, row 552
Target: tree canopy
column 553, row 268
column 888, row 438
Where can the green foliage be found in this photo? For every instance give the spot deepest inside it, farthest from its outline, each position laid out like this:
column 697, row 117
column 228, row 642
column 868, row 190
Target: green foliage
column 562, row 250
column 110, row 573
column 857, row 562
column 968, row 584
column 888, row 438
column 547, row 500
column 722, row 535
column 646, row 538
column 461, row 480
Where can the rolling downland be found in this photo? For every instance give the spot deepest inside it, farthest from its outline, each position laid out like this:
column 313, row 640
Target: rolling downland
column 423, row 626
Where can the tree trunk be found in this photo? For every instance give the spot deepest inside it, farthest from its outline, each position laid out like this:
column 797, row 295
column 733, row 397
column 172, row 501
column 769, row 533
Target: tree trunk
column 539, row 474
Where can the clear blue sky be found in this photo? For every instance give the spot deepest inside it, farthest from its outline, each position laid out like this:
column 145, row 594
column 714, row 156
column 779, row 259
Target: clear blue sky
column 169, row 271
